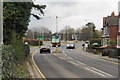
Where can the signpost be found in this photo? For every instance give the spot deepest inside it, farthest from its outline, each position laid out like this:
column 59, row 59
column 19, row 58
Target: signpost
column 40, row 38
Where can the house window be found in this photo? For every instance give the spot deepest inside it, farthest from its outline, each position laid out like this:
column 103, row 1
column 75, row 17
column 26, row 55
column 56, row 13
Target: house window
column 118, row 41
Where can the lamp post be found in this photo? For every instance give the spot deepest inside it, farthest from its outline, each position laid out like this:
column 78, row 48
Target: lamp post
column 57, row 25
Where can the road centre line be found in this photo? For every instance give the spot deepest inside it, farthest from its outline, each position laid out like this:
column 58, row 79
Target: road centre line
column 80, row 62
column 66, row 55
column 94, row 71
column 70, row 58
column 73, row 62
column 61, row 58
column 74, row 59
column 101, row 71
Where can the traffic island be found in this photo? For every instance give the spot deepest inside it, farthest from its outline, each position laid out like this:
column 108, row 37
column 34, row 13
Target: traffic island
column 57, row 52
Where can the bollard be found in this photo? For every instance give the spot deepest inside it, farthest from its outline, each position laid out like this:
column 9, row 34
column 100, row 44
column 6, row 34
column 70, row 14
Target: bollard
column 57, row 48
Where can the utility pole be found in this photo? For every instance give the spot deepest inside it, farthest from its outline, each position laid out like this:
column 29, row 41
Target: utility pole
column 56, row 25
column 66, row 33
column 33, row 34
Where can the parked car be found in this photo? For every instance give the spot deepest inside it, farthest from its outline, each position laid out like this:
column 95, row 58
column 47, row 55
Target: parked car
column 70, row 46
column 45, row 49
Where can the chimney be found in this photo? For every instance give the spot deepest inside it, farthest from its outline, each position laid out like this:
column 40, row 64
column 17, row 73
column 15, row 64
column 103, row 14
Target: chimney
column 113, row 14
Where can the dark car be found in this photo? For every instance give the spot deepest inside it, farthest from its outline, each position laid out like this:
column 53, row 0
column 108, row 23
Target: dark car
column 70, row 46
column 45, row 50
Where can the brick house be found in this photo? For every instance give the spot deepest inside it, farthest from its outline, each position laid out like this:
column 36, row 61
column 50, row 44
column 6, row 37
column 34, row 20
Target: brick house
column 118, row 36
column 110, row 28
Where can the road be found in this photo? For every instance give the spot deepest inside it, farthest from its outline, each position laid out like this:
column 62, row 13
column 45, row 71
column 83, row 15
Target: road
column 73, row 64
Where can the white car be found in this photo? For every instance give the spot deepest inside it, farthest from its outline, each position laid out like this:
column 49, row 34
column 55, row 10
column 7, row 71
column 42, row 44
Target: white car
column 70, row 46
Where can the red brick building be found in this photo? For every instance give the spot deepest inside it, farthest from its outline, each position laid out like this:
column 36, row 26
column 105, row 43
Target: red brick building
column 110, row 28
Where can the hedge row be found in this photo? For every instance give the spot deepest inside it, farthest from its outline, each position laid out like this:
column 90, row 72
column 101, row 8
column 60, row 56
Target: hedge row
column 11, row 66
column 33, row 42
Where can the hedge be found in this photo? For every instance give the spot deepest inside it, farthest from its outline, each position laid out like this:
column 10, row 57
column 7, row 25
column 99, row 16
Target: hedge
column 33, row 42
column 12, row 68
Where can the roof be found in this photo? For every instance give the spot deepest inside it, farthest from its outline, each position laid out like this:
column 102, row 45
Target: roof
column 111, row 20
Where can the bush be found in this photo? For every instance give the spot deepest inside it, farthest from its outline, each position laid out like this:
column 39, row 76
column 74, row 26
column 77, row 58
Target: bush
column 18, row 46
column 110, row 42
column 13, row 57
column 9, row 62
column 94, row 46
column 12, row 68
column 95, row 40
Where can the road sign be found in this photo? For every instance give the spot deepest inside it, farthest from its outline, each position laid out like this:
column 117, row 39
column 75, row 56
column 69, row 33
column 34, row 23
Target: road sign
column 40, row 37
column 56, row 37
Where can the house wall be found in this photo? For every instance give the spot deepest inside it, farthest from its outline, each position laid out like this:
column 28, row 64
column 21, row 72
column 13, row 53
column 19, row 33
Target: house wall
column 118, row 41
column 113, row 33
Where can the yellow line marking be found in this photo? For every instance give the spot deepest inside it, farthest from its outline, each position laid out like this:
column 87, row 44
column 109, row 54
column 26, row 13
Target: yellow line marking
column 38, row 68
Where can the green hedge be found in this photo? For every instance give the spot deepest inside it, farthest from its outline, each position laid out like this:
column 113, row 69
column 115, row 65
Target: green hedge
column 9, row 62
column 94, row 46
column 33, row 42
column 95, row 40
column 12, row 67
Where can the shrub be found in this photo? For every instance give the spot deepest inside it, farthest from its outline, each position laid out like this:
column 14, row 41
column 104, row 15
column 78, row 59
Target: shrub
column 13, row 58
column 111, row 42
column 12, row 68
column 94, row 46
column 9, row 62
column 18, row 46
column 95, row 40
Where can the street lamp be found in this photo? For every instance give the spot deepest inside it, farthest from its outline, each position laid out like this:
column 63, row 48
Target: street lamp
column 56, row 25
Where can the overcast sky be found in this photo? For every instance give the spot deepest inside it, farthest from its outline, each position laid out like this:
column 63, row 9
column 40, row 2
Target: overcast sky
column 74, row 13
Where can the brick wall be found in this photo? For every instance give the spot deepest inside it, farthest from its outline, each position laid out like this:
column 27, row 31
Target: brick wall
column 113, row 33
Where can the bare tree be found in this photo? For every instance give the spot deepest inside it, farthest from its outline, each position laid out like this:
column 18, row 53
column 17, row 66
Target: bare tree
column 66, row 33
column 39, row 31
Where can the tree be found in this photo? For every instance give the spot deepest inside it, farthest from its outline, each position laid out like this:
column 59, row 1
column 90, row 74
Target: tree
column 78, row 32
column 67, row 33
column 16, row 16
column 39, row 31
column 85, row 33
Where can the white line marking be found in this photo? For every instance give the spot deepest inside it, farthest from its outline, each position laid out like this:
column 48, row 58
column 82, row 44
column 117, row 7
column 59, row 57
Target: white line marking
column 66, row 55
column 70, row 58
column 73, row 62
column 80, row 62
column 101, row 71
column 61, row 58
column 94, row 71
